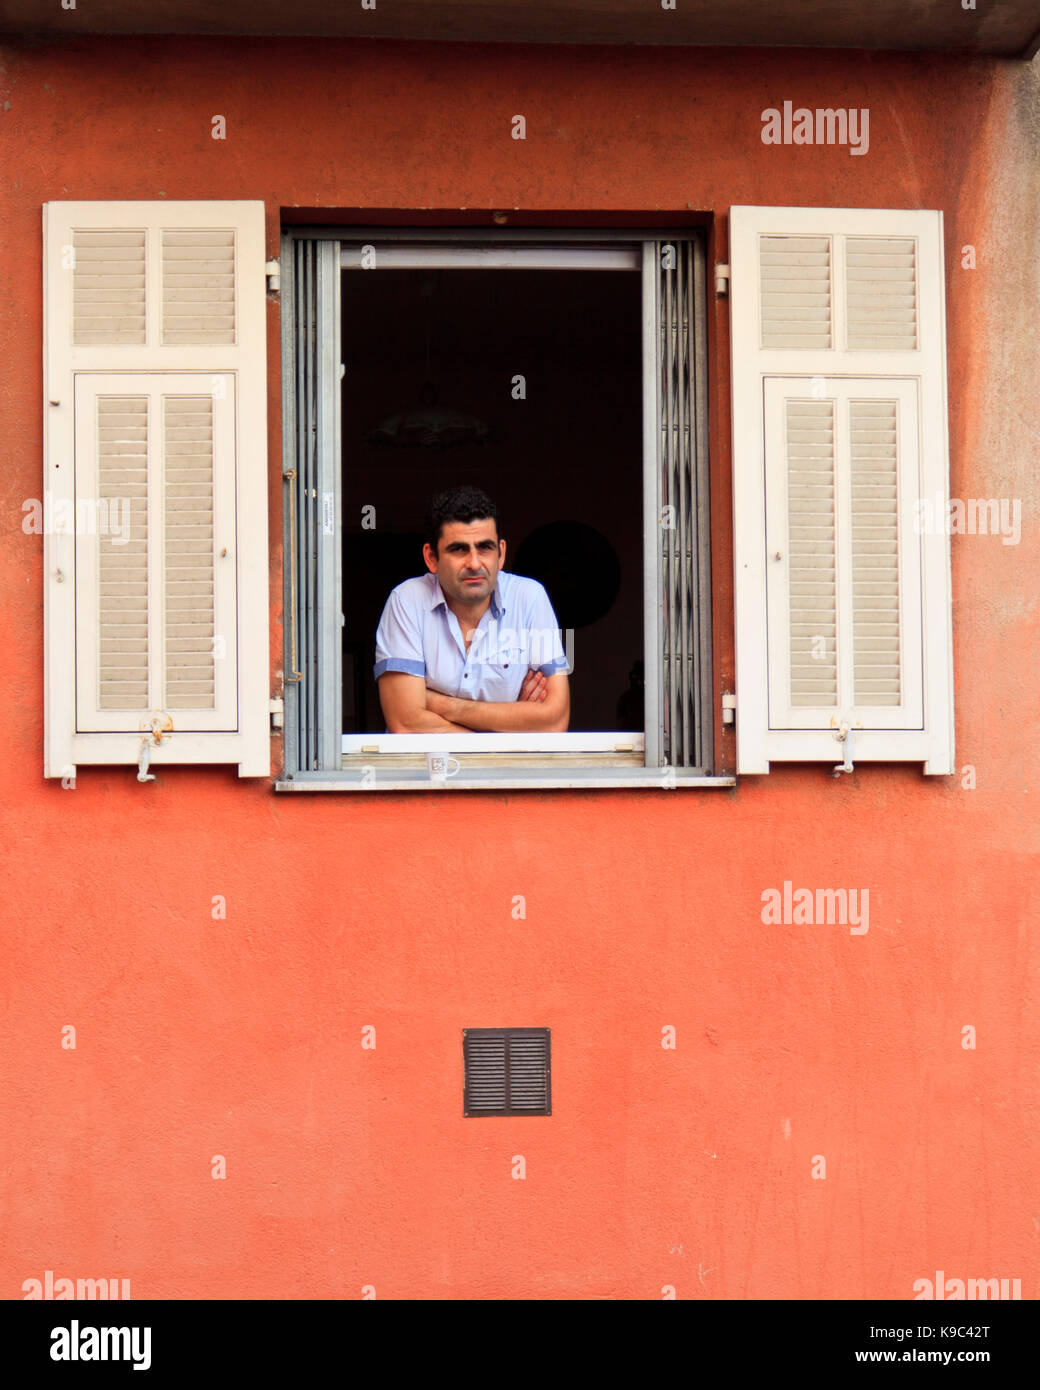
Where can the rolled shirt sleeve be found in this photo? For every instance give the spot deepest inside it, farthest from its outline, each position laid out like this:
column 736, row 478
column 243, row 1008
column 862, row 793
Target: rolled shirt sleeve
column 545, row 649
column 399, row 644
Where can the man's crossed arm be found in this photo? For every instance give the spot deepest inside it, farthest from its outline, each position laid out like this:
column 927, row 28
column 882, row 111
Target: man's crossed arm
column 410, row 707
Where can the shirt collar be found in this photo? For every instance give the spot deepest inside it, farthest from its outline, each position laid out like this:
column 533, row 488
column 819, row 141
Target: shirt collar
column 437, row 599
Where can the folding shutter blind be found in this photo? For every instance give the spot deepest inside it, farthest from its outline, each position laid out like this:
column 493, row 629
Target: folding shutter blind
column 155, row 590
column 311, row 440
column 685, row 736
column 507, row 1071
column 839, row 428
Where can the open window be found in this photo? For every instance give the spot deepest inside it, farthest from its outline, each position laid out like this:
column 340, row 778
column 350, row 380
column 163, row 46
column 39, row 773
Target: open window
column 565, row 376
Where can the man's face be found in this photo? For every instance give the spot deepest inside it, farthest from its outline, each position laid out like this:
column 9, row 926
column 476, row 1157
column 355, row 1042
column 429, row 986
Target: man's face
column 468, row 559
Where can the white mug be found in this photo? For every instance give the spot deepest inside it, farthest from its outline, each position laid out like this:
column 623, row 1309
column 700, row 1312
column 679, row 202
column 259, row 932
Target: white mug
column 437, row 766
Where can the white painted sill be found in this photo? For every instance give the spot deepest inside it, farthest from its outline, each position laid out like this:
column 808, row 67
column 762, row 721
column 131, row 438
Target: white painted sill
column 619, row 742
column 542, row 777
column 498, row 762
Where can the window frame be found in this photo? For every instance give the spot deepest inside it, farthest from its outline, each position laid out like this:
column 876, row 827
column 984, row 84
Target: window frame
column 565, row 759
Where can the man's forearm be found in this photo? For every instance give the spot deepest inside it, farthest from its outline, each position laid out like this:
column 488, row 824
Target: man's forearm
column 498, row 716
column 426, row 722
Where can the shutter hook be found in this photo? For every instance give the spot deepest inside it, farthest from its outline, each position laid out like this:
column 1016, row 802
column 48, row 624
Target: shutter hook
column 143, row 775
column 844, row 736
column 157, row 727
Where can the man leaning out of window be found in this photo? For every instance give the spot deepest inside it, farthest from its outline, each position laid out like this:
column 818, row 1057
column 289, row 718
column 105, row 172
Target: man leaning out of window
column 468, row 647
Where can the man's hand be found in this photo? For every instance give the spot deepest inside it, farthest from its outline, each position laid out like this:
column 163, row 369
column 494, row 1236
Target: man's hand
column 543, row 706
column 436, row 702
column 535, row 687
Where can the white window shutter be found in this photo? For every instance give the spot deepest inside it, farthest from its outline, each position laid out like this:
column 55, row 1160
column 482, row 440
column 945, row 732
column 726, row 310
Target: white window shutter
column 842, row 597
column 155, row 485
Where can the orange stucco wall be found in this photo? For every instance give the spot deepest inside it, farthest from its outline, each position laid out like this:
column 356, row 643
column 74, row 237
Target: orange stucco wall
column 241, row 1037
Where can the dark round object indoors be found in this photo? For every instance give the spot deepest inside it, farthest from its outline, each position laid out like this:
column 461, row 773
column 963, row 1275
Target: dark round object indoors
column 578, row 566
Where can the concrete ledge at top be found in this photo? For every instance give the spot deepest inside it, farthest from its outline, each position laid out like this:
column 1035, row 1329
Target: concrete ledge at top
column 1011, row 29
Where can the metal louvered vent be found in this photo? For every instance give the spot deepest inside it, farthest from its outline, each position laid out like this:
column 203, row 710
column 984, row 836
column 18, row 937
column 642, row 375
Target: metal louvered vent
column 108, row 287
column 881, row 286
column 507, row 1071
column 188, row 524
column 812, row 560
column 875, row 552
column 122, row 452
column 795, row 277
column 198, row 287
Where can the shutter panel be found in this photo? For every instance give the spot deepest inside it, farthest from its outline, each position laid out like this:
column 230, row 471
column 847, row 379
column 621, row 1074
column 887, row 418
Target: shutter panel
column 155, row 459
column 506, row 1071
column 155, row 596
column 841, row 488
column 839, row 430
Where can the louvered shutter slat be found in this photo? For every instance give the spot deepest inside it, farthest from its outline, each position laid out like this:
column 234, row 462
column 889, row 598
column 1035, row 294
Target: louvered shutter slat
column 122, row 454
column 876, row 656
column 810, row 479
column 198, row 287
column 108, row 287
column 190, row 589
column 796, row 292
column 881, row 278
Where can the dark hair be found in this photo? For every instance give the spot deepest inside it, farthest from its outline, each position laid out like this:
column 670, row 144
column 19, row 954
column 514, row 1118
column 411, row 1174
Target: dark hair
column 458, row 504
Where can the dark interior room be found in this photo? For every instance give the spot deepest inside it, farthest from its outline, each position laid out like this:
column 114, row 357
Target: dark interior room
column 431, row 400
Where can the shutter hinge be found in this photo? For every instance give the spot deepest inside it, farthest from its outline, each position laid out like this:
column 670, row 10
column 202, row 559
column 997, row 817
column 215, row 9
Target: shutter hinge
column 729, row 707
column 276, row 706
column 722, row 279
column 273, row 271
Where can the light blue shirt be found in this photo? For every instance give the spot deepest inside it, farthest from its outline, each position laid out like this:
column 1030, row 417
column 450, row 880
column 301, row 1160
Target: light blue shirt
column 420, row 635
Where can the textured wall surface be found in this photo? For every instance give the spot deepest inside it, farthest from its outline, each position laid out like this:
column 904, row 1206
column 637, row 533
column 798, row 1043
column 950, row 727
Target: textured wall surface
column 241, row 1037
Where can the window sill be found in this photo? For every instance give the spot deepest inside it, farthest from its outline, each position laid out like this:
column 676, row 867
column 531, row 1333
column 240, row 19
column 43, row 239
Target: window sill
column 541, row 777
column 360, row 747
